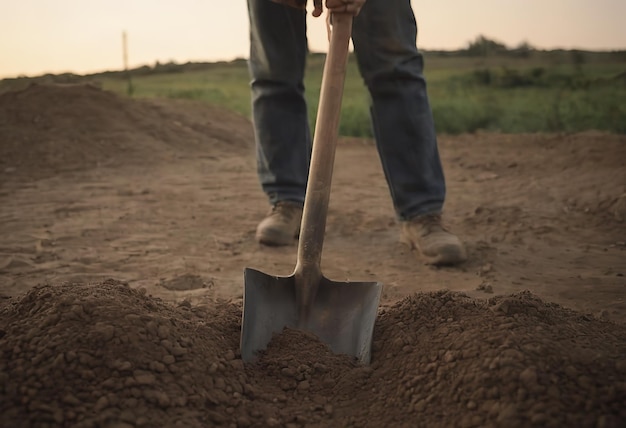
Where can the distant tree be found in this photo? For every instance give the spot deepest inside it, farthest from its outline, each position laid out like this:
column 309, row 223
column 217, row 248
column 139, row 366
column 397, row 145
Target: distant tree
column 483, row 46
column 525, row 46
column 523, row 50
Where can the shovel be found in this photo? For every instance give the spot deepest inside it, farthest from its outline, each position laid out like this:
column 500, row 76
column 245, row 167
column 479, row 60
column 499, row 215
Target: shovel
column 340, row 314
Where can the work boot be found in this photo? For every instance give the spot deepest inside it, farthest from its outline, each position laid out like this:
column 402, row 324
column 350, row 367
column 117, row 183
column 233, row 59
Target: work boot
column 435, row 243
column 281, row 225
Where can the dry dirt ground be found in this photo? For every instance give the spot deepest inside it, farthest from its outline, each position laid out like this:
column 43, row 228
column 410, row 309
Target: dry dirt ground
column 125, row 226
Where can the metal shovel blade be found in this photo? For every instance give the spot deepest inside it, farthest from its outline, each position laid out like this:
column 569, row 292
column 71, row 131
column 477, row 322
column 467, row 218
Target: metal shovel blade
column 342, row 314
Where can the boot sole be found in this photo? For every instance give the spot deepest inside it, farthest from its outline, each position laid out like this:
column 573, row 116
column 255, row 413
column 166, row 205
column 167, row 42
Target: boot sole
column 448, row 256
column 274, row 238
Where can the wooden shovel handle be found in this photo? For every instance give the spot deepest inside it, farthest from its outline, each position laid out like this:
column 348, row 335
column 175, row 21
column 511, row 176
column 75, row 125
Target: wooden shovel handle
column 308, row 271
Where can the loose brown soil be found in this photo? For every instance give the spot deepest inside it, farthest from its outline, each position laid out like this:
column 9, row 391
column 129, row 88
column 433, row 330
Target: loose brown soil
column 126, row 225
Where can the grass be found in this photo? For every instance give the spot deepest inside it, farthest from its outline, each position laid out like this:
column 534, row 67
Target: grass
column 556, row 91
column 225, row 85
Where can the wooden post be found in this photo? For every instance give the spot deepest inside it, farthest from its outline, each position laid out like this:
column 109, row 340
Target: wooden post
column 129, row 87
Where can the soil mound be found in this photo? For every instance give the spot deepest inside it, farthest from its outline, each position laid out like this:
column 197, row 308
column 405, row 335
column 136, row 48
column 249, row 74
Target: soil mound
column 445, row 359
column 47, row 128
column 108, row 355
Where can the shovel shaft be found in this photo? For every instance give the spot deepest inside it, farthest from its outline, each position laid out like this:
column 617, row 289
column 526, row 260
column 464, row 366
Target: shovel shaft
column 308, row 270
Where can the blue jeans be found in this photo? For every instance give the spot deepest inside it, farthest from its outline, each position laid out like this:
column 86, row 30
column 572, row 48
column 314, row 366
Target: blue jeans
column 383, row 35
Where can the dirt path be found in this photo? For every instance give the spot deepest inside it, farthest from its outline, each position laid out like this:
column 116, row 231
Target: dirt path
column 163, row 195
column 173, row 212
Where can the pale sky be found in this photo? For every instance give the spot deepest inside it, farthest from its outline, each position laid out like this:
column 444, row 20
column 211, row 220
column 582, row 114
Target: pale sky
column 84, row 36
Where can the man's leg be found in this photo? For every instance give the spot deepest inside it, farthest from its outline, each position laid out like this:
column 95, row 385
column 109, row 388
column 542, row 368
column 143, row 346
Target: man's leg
column 278, row 49
column 384, row 37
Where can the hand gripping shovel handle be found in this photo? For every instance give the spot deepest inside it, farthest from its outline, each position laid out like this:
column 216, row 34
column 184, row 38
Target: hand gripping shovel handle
column 308, row 271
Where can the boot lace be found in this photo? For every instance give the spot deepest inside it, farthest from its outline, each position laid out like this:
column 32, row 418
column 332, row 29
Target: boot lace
column 287, row 210
column 431, row 223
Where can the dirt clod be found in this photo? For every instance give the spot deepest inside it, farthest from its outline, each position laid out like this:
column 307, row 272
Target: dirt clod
column 484, row 367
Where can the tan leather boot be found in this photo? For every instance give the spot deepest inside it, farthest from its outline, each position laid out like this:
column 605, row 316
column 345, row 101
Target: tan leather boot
column 281, row 225
column 435, row 243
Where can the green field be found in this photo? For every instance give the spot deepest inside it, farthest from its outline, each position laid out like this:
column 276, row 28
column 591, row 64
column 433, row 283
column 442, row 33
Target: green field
column 512, row 92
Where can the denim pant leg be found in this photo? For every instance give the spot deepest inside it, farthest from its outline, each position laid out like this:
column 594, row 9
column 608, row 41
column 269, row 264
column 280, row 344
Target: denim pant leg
column 384, row 37
column 278, row 49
